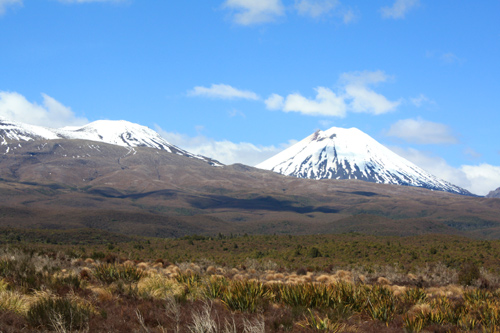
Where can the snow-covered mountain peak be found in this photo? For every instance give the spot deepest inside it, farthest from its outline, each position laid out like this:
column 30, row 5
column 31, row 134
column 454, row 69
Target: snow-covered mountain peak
column 115, row 132
column 340, row 153
column 16, row 131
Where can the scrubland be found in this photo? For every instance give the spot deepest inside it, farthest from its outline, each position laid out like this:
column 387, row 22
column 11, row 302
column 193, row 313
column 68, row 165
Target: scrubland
column 207, row 284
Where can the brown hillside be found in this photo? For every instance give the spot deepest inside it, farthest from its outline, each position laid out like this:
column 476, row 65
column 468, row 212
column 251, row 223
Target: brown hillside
column 68, row 184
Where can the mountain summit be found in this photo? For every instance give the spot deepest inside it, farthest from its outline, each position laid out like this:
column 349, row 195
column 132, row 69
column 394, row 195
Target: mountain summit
column 115, row 132
column 340, row 153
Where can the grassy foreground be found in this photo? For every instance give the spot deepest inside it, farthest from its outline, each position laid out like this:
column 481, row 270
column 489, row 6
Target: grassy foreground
column 331, row 283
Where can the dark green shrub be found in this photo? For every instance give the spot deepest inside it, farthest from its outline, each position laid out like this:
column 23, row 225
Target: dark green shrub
column 469, row 272
column 97, row 255
column 59, row 314
column 314, row 252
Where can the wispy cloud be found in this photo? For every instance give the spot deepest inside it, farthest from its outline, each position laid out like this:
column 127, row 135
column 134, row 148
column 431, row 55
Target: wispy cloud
column 87, row 1
column 421, row 100
column 222, row 91
column 322, row 8
column 254, row 12
column 236, row 113
column 399, row 9
column 348, row 16
column 478, row 179
column 447, row 58
column 315, row 8
column 51, row 113
column 354, row 94
column 471, row 153
column 6, row 3
column 250, row 12
column 224, row 151
column 451, row 58
column 422, row 132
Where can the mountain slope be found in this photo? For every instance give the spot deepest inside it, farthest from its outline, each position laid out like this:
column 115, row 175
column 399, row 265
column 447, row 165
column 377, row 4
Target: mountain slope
column 70, row 183
column 116, row 132
column 494, row 194
column 340, row 153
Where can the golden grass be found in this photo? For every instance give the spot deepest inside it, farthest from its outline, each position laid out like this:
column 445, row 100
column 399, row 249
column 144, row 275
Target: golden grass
column 14, row 301
column 383, row 281
column 159, row 286
column 101, row 294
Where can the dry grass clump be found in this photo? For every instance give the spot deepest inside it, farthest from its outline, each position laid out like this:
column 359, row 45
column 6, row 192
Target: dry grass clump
column 101, row 294
column 128, row 263
column 159, row 286
column 342, row 275
column 211, row 270
column 383, row 281
column 13, row 300
column 77, row 262
column 420, row 308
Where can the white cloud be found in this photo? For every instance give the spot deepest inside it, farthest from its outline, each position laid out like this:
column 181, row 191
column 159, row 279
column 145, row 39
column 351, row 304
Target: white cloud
column 422, row 132
column 354, row 95
column 275, row 102
column 364, row 99
column 222, row 91
column 315, row 8
column 224, row 151
column 484, row 177
column 399, row 9
column 250, row 12
column 478, row 179
column 326, row 103
column 5, row 3
column 51, row 113
column 435, row 165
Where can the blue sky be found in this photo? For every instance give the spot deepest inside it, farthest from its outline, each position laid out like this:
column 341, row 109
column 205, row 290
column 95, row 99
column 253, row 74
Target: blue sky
column 240, row 80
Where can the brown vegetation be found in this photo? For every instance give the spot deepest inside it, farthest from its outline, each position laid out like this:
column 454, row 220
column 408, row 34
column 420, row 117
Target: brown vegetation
column 61, row 288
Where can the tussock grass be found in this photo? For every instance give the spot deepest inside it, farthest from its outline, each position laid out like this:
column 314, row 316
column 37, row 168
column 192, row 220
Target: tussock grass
column 53, row 291
column 58, row 313
column 159, row 286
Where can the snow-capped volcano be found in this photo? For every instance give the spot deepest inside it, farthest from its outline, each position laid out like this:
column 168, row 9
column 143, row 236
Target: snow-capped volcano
column 340, row 153
column 115, row 132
